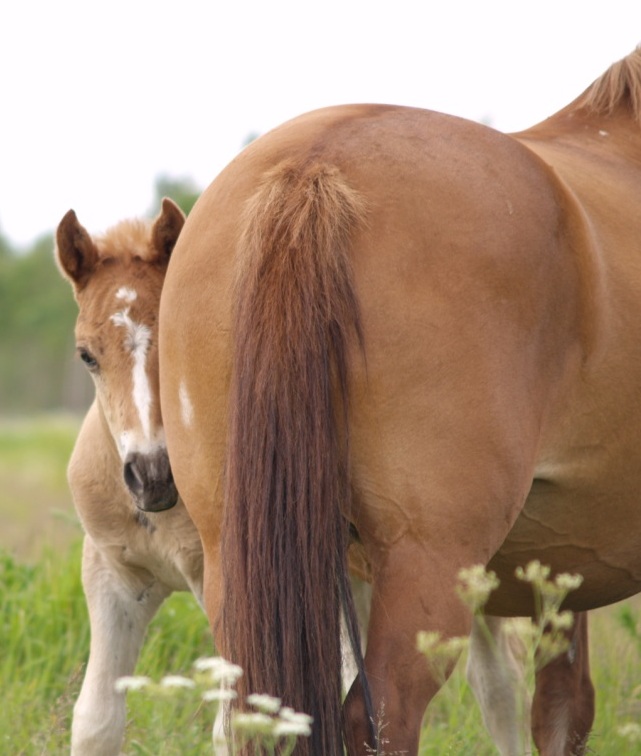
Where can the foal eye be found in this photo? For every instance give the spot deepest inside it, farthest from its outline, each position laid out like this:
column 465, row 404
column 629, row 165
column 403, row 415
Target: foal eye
column 89, row 360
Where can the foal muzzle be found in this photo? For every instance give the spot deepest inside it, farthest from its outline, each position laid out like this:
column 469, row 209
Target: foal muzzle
column 150, row 481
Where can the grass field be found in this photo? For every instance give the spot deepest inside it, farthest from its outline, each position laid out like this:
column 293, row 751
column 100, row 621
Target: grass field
column 44, row 637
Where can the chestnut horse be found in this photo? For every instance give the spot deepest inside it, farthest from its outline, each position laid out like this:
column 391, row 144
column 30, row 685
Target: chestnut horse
column 407, row 330
column 135, row 553
column 138, row 547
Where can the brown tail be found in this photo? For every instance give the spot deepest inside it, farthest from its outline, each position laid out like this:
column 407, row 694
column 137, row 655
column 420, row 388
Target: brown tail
column 285, row 531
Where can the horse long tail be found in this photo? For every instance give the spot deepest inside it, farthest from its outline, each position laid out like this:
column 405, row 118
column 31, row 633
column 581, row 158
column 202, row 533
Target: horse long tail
column 287, row 487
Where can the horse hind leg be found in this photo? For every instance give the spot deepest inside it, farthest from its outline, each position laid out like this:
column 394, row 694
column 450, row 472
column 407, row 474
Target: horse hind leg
column 495, row 672
column 563, row 705
column 399, row 676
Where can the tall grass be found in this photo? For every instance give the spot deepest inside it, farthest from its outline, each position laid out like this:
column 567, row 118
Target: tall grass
column 44, row 628
column 44, row 643
column 44, row 639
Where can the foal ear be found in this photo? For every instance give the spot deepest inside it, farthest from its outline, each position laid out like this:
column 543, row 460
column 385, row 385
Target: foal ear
column 76, row 253
column 166, row 229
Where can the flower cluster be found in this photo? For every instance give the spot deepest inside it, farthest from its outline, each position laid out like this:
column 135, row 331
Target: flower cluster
column 551, row 622
column 271, row 722
column 476, row 584
column 272, row 727
column 214, row 679
column 546, row 634
column 441, row 655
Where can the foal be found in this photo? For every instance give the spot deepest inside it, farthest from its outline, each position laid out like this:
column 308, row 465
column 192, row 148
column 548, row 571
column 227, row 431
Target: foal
column 135, row 554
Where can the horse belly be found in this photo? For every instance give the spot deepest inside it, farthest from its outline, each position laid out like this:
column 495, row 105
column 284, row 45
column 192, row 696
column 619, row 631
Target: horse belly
column 583, row 513
column 589, row 528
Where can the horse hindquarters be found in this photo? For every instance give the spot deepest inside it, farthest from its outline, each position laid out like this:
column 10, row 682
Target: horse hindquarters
column 468, row 308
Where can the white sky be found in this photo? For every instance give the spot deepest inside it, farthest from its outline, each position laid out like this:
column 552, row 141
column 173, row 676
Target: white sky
column 99, row 98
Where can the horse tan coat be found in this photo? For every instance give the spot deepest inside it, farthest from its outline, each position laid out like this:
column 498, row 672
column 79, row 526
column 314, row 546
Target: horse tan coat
column 474, row 300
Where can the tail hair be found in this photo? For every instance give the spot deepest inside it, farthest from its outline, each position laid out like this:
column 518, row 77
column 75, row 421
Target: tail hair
column 285, row 531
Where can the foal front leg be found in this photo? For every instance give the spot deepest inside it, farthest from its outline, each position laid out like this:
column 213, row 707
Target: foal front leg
column 121, row 604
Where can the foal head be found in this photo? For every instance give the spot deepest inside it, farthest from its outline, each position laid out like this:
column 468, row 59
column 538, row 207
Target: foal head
column 117, row 280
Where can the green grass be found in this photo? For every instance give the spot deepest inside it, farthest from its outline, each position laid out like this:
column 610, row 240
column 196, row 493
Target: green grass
column 44, row 639
column 44, row 633
column 35, row 504
column 44, row 636
column 44, row 628
column 615, row 658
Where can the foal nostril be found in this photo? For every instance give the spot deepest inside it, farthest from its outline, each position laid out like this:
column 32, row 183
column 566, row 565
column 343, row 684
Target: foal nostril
column 149, row 480
column 133, row 478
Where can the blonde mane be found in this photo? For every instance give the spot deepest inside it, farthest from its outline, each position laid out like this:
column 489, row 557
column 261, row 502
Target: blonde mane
column 619, row 85
column 127, row 240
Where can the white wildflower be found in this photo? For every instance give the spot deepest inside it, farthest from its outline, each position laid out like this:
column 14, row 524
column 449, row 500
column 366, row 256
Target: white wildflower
column 434, row 647
column 567, row 582
column 205, row 663
column 559, row 620
column 218, row 694
column 452, row 647
column 286, row 729
column 177, row 681
column 289, row 715
column 221, row 670
column 123, row 684
column 253, row 724
column 427, row 642
column 534, row 572
column 476, row 584
column 263, row 702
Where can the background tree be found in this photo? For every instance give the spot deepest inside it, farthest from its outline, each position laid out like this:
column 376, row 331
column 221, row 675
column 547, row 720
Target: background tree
column 182, row 191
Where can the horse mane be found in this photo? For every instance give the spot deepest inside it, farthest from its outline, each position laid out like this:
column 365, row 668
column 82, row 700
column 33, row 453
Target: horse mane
column 619, row 85
column 126, row 241
column 287, row 501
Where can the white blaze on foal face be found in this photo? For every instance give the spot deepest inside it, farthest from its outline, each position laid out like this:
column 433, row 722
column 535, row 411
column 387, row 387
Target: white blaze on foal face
column 137, row 340
column 126, row 294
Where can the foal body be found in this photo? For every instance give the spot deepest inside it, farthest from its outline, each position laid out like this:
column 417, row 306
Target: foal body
column 131, row 562
column 135, row 553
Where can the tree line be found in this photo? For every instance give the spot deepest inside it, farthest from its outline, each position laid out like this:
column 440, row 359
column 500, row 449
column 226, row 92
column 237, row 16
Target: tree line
column 38, row 368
